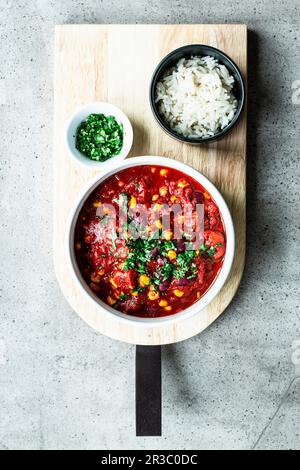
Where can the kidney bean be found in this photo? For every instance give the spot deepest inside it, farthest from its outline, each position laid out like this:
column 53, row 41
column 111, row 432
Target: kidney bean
column 164, row 285
column 199, row 197
column 184, row 282
column 154, row 252
column 181, row 245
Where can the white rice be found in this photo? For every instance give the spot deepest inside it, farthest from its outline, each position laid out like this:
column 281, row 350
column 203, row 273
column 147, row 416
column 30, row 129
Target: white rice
column 195, row 97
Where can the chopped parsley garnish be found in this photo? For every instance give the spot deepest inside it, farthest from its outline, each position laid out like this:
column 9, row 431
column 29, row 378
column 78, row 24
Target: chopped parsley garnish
column 142, row 252
column 100, row 137
column 209, row 251
column 123, row 296
column 166, row 246
column 137, row 290
column 130, row 261
column 167, row 271
column 193, row 271
column 185, row 266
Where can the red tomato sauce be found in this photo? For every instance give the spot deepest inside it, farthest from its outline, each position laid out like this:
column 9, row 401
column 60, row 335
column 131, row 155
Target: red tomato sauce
column 144, row 276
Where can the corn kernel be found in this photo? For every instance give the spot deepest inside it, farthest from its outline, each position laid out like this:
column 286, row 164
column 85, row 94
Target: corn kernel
column 113, row 283
column 95, row 287
column 163, row 172
column 153, row 170
column 172, row 255
column 167, row 235
column 95, row 278
column 132, row 202
column 168, row 308
column 182, row 184
column 163, row 303
column 198, row 295
column 111, row 300
column 144, row 280
column 153, row 295
column 155, row 197
column 78, row 246
column 158, row 224
column 173, row 198
column 206, row 195
column 163, row 191
column 178, row 293
column 97, row 204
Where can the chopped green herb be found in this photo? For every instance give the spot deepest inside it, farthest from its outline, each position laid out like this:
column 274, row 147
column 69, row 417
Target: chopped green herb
column 208, row 251
column 185, row 265
column 167, row 271
column 100, row 137
column 141, row 254
column 193, row 271
column 165, row 246
column 123, row 296
column 130, row 261
column 137, row 290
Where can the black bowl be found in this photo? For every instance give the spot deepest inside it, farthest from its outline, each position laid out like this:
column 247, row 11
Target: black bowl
column 198, row 50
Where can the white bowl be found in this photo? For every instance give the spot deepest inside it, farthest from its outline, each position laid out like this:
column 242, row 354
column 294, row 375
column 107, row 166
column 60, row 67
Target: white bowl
column 80, row 115
column 225, row 214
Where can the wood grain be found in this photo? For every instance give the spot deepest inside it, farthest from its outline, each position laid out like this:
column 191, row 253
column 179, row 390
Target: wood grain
column 114, row 63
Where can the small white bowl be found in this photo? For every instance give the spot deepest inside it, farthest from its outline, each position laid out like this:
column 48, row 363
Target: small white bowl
column 98, row 107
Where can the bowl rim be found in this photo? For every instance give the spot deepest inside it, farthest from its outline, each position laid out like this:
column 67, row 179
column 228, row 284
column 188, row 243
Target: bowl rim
column 218, row 283
column 160, row 121
column 115, row 111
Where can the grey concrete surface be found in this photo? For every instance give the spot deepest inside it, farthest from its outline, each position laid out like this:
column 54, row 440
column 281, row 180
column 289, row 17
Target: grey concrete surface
column 63, row 386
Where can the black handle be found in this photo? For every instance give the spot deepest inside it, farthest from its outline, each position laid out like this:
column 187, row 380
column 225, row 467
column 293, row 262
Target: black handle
column 148, row 390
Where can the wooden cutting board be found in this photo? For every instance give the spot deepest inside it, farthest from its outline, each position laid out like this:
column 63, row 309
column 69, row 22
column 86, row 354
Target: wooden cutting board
column 114, row 63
